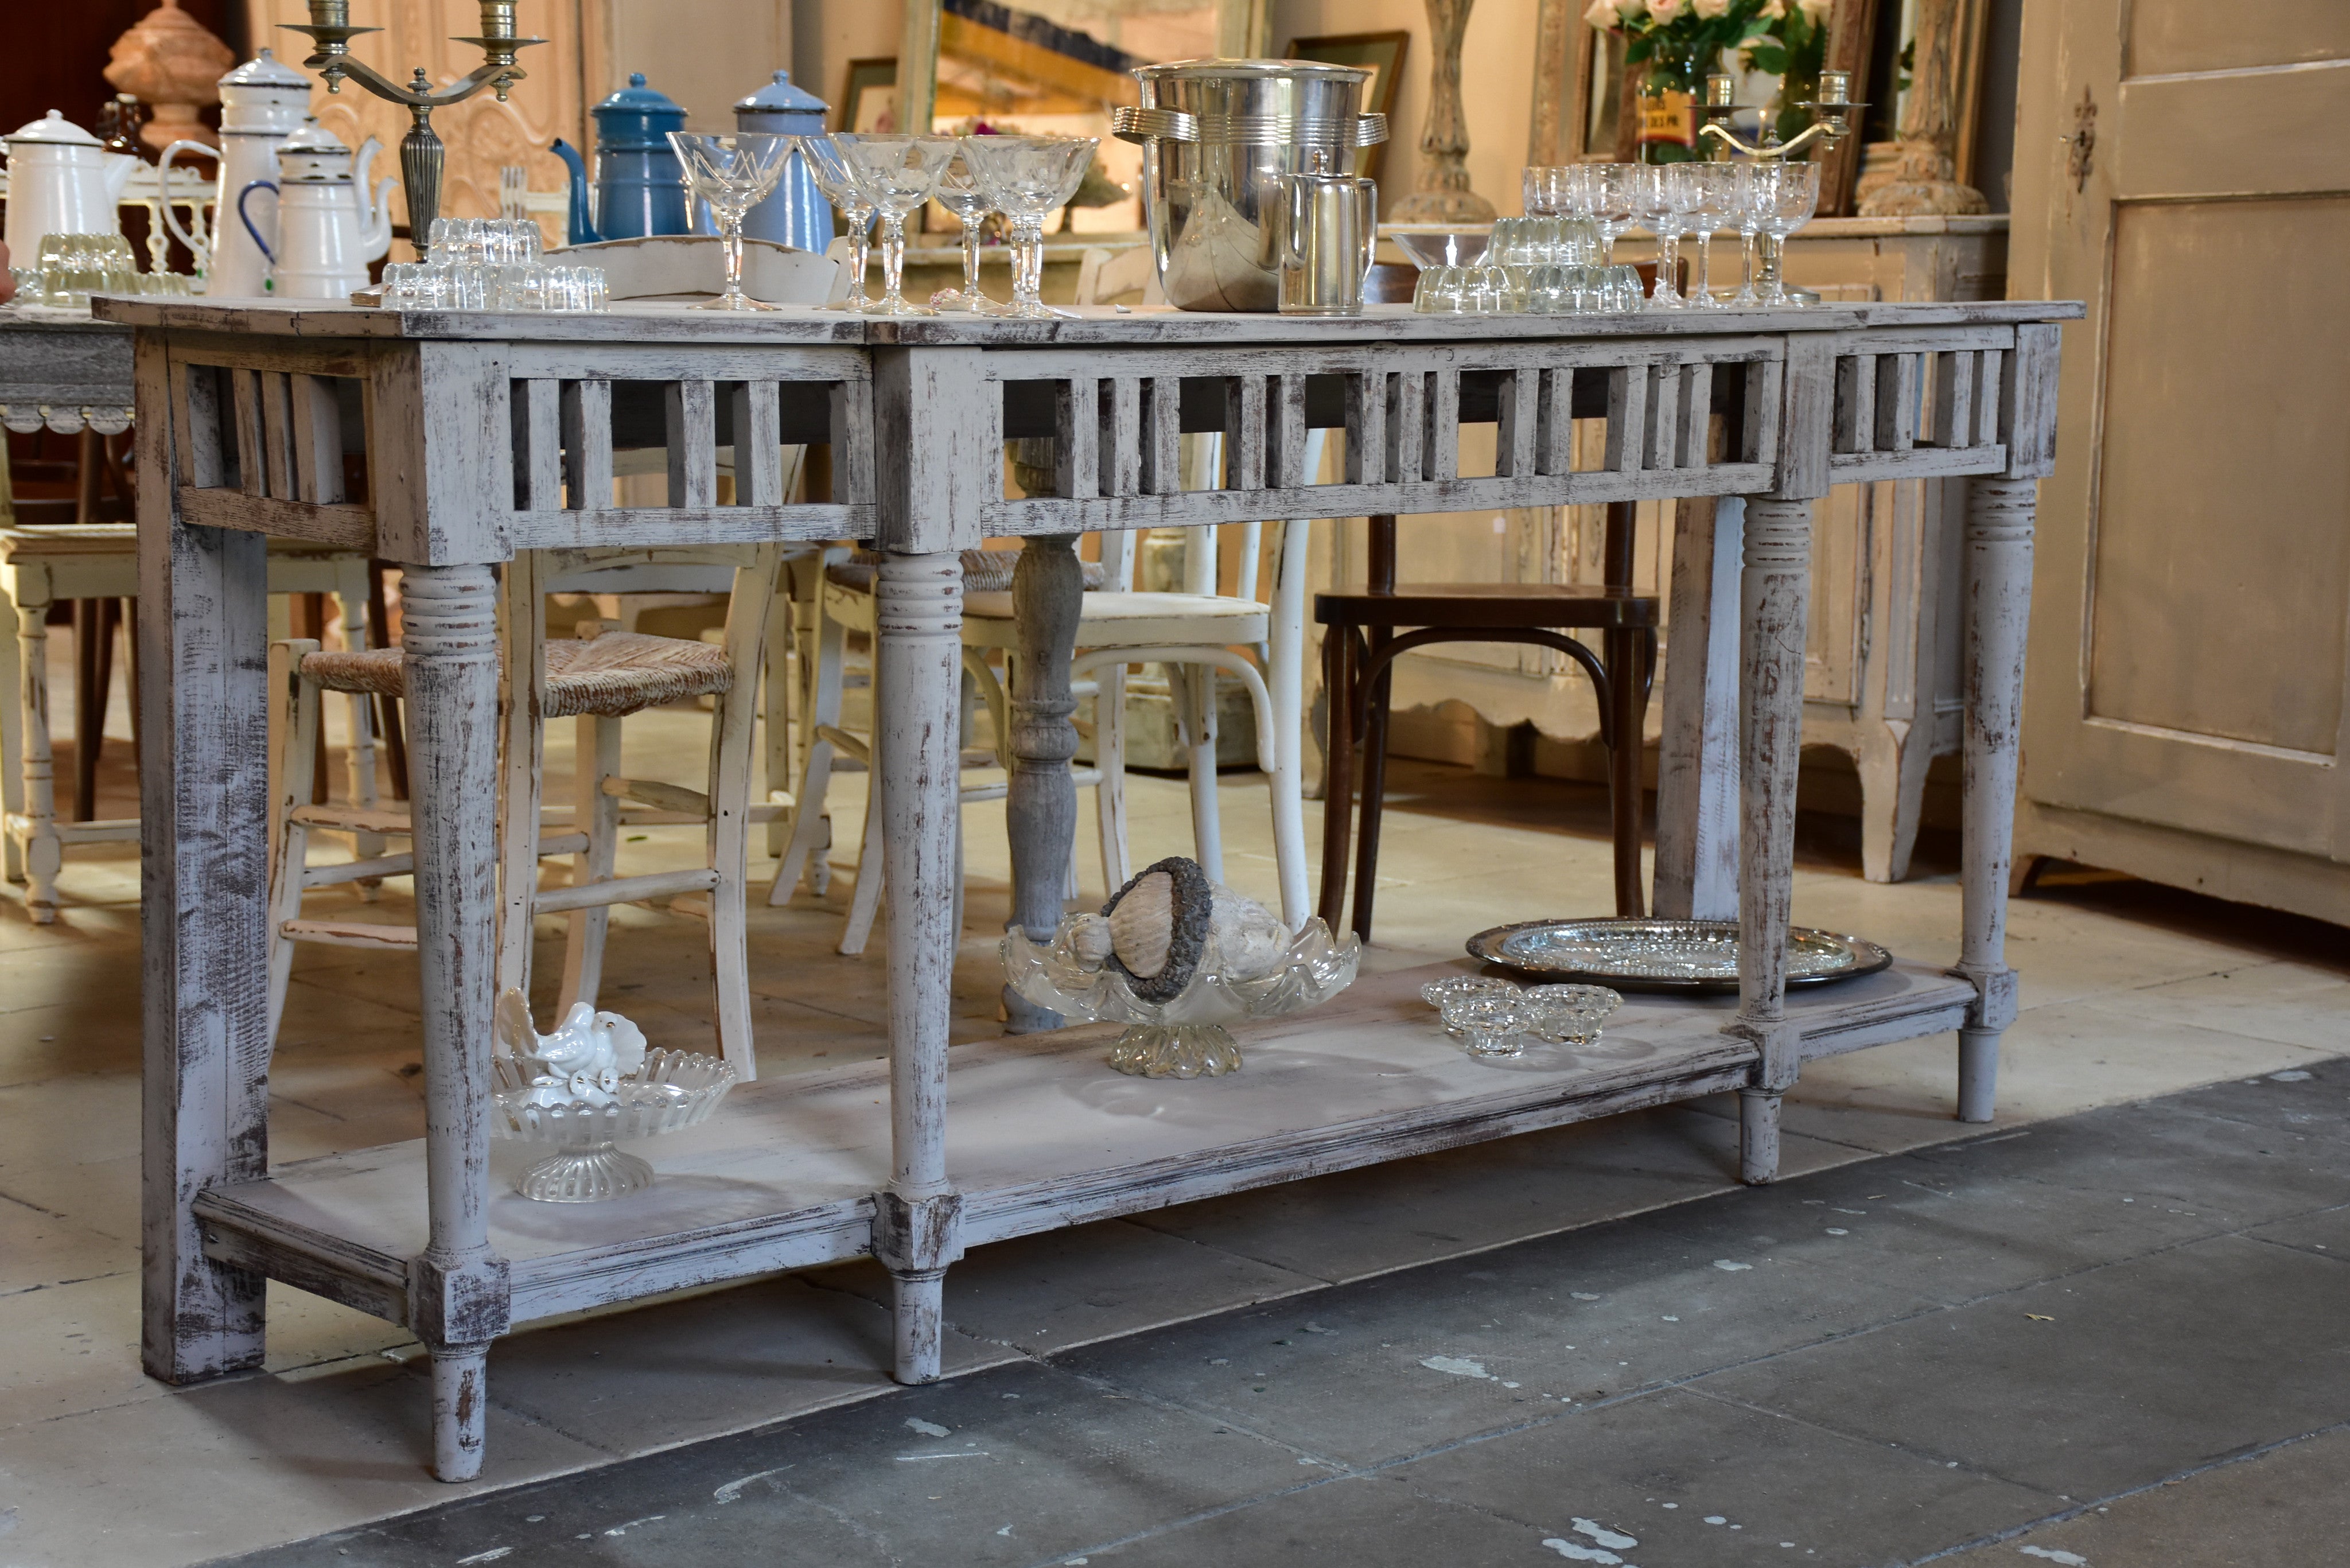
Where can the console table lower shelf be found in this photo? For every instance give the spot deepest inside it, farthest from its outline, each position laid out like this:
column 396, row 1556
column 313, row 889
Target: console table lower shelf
column 1040, row 1135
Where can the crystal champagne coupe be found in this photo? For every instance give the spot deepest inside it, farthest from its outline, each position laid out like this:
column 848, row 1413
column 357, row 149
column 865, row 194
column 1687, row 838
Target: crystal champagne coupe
column 959, row 192
column 1611, row 188
column 1746, row 203
column 1711, row 188
column 898, row 172
column 1027, row 177
column 1784, row 203
column 731, row 172
column 834, row 175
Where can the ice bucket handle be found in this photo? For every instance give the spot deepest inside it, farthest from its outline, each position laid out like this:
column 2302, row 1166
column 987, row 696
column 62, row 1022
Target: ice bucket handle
column 1143, row 125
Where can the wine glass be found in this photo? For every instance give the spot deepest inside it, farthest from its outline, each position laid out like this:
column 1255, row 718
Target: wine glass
column 1027, row 177
column 1711, row 189
column 959, row 192
column 731, row 172
column 1746, row 200
column 898, row 172
column 1652, row 205
column 1784, row 203
column 834, row 175
column 1603, row 192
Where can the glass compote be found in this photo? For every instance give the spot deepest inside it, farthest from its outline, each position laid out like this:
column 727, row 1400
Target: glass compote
column 1610, row 190
column 1784, row 203
column 731, row 172
column 834, row 175
column 1027, row 177
column 1711, row 188
column 959, row 192
column 899, row 173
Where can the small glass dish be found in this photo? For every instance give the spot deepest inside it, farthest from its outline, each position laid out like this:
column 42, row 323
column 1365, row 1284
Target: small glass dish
column 1438, row 992
column 1570, row 1014
column 1490, row 1023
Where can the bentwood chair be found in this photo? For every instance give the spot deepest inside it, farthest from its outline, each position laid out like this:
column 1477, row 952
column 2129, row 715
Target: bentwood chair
column 1368, row 630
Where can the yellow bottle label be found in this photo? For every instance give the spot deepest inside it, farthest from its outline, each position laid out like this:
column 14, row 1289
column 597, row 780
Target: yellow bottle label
column 1669, row 117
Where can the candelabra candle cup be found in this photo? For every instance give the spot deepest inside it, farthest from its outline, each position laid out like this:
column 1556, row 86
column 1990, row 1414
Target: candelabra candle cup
column 731, row 172
column 836, row 178
column 1026, row 177
column 959, row 192
column 900, row 173
column 1492, row 1024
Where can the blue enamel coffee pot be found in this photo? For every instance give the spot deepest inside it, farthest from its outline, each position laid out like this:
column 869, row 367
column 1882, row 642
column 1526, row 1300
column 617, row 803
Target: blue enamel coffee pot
column 640, row 187
column 795, row 213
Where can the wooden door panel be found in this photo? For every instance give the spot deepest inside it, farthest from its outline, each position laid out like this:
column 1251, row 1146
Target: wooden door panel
column 2221, row 564
column 2232, row 133
column 2178, row 37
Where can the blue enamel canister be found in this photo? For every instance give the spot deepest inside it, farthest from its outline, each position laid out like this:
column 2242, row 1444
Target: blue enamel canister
column 796, row 213
column 639, row 185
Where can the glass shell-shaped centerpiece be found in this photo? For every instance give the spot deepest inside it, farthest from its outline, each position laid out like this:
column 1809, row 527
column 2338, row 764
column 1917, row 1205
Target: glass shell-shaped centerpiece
column 1176, row 957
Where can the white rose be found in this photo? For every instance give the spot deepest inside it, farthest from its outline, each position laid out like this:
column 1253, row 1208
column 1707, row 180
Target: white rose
column 1711, row 8
column 1603, row 13
column 1814, row 10
column 1774, row 9
column 1666, row 10
column 1630, row 9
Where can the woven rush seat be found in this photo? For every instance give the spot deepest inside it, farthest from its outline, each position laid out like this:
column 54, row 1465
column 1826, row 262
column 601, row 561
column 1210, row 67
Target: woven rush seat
column 608, row 677
column 984, row 571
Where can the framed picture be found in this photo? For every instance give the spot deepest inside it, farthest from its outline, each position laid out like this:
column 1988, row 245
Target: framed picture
column 1381, row 54
column 868, row 97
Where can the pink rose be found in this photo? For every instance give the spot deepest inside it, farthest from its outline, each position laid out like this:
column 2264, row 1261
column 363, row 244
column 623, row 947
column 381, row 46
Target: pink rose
column 1710, row 9
column 1666, row 10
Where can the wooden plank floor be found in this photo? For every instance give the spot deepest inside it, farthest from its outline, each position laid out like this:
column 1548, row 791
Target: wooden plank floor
column 1041, row 1134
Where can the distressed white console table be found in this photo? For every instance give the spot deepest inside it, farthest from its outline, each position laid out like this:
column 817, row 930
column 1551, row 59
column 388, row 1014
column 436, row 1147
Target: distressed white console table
column 488, row 434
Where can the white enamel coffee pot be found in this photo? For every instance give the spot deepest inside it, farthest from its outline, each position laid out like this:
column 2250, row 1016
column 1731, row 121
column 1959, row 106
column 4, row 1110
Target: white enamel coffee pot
column 325, row 231
column 61, row 181
column 263, row 102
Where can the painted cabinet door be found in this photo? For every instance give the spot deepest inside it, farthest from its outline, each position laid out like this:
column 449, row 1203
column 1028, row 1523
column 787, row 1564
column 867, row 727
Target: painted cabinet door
column 2180, row 169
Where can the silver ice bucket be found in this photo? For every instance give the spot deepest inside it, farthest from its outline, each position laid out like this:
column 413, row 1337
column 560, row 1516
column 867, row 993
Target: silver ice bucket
column 1218, row 138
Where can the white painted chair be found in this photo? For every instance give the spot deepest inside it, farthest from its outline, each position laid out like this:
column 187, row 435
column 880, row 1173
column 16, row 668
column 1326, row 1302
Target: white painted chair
column 846, row 604
column 599, row 682
column 39, row 567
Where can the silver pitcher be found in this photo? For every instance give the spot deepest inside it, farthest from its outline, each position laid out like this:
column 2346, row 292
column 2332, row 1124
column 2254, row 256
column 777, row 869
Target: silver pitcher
column 1218, row 138
column 1329, row 225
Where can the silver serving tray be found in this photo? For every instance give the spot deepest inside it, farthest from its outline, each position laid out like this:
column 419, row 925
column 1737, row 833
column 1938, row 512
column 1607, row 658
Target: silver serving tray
column 1665, row 955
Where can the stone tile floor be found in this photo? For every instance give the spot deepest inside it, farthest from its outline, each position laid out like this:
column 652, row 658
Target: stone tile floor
column 2129, row 991
column 2024, row 1345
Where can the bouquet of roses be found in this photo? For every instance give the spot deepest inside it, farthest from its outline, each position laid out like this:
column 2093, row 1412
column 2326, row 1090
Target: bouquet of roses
column 1682, row 34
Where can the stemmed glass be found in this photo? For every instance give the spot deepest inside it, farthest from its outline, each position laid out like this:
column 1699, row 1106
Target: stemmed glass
column 1710, row 189
column 1784, row 203
column 1747, row 199
column 899, row 173
column 1545, row 189
column 1603, row 193
column 959, row 192
column 731, row 174
column 1026, row 177
column 1652, row 206
column 828, row 162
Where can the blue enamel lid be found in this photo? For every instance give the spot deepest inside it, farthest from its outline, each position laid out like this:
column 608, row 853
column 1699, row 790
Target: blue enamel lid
column 636, row 116
column 780, row 97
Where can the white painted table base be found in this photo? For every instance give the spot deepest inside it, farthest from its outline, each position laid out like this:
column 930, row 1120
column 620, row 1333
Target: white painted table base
column 469, row 421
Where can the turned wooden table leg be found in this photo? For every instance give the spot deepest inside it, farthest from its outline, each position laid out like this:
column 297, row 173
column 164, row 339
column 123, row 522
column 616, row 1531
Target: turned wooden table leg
column 1775, row 602
column 458, row 1296
column 203, row 884
column 1040, row 804
column 918, row 663
column 1997, row 597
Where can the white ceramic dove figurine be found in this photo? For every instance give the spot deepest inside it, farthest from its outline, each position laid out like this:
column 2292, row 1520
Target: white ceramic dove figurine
column 584, row 1060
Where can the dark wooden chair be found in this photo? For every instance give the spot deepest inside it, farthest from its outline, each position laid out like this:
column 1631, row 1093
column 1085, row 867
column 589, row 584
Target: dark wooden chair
column 1367, row 631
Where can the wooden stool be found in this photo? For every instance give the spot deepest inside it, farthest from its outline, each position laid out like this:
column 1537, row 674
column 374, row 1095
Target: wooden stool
column 1362, row 642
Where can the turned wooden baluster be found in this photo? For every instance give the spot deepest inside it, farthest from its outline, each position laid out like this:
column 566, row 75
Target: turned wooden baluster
column 918, row 664
column 458, row 1294
column 1041, row 808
